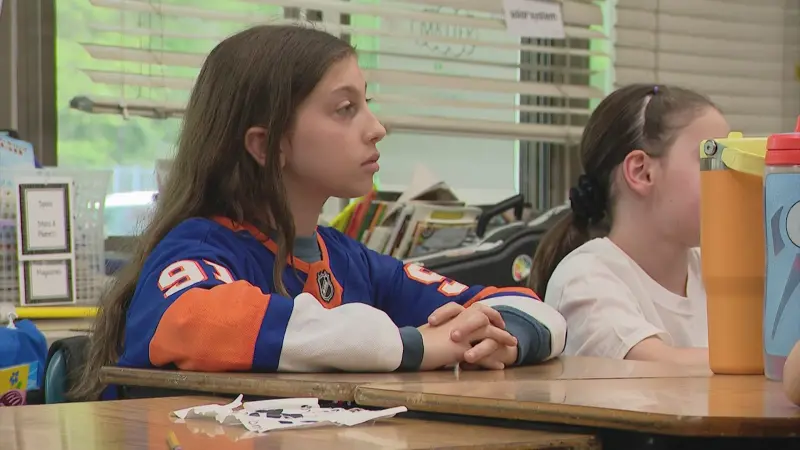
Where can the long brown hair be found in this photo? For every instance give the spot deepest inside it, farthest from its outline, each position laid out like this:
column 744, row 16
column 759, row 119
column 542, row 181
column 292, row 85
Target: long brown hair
column 257, row 77
column 639, row 116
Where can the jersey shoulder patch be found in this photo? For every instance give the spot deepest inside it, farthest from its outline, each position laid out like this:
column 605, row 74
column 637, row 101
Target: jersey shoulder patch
column 186, row 273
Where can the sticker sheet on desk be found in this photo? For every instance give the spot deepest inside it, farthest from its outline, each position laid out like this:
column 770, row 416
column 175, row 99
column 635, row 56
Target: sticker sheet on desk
column 269, row 415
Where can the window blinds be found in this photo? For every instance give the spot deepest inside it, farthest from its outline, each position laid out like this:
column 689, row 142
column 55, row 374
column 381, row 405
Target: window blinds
column 742, row 54
column 443, row 67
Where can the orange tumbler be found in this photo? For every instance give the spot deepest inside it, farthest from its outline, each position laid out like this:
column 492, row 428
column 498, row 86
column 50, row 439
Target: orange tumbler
column 732, row 247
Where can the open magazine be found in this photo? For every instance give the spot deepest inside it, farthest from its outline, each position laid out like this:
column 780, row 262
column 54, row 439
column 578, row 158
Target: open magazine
column 426, row 218
column 430, row 227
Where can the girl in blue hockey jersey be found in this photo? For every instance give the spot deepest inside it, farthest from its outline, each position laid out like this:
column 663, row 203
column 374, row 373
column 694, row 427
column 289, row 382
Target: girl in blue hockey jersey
column 233, row 274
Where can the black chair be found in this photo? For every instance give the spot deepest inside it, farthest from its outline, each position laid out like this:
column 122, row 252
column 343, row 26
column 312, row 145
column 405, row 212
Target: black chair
column 65, row 361
column 502, row 258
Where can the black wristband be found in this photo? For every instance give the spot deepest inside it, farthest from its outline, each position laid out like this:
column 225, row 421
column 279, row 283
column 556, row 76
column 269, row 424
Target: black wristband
column 413, row 349
column 533, row 338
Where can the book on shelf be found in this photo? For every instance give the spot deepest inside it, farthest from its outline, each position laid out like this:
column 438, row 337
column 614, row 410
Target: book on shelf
column 426, row 218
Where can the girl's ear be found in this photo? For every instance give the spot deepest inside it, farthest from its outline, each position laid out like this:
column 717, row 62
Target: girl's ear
column 638, row 172
column 255, row 141
column 286, row 147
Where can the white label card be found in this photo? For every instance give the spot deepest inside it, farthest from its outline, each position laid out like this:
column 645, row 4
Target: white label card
column 46, row 225
column 534, row 18
column 47, row 282
column 45, row 218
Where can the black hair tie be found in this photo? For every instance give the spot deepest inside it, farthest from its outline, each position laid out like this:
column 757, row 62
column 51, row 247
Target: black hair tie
column 588, row 201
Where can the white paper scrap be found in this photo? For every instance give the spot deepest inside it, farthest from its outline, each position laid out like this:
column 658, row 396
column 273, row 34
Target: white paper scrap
column 219, row 412
column 354, row 417
column 269, row 415
column 281, row 403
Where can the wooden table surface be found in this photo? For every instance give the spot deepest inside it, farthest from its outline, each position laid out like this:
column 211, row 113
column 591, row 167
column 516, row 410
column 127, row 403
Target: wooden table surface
column 144, row 424
column 342, row 386
column 711, row 406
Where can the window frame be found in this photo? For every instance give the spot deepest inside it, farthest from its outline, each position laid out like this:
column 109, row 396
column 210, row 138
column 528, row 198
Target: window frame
column 28, row 41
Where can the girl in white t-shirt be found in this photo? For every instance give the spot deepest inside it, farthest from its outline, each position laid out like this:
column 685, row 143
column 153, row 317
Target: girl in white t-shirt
column 622, row 267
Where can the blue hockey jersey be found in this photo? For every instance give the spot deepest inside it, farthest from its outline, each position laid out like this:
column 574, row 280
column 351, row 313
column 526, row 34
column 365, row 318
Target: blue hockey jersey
column 205, row 301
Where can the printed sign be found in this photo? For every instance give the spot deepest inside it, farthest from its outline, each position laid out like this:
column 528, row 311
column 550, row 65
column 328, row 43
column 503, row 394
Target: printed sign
column 13, row 385
column 48, row 282
column 14, row 153
column 45, row 209
column 45, row 241
column 534, row 18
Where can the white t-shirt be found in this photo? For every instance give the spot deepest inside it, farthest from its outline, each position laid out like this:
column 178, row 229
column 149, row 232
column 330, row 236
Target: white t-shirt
column 611, row 304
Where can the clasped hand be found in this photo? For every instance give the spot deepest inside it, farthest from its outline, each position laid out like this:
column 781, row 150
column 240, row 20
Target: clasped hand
column 474, row 336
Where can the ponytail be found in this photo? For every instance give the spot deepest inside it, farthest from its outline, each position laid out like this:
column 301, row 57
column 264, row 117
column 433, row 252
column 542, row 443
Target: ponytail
column 561, row 240
column 558, row 242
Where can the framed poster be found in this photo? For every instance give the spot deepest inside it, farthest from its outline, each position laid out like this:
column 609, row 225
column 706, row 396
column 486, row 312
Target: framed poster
column 47, row 282
column 45, row 218
column 45, row 240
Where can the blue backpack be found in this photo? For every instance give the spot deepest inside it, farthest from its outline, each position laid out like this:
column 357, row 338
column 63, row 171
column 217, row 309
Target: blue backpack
column 22, row 343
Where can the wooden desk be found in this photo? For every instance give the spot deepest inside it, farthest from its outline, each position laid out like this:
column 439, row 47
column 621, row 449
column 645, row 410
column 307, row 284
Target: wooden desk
column 342, row 386
column 144, row 424
column 712, row 406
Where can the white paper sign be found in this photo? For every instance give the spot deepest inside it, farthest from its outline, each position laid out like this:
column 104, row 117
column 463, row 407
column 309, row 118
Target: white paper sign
column 46, row 225
column 44, row 217
column 45, row 241
column 49, row 279
column 47, row 282
column 534, row 18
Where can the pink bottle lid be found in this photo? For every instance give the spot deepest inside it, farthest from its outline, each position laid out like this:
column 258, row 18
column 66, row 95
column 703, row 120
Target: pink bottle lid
column 783, row 149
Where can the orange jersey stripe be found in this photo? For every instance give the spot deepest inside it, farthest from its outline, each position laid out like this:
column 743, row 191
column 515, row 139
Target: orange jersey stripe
column 489, row 291
column 212, row 330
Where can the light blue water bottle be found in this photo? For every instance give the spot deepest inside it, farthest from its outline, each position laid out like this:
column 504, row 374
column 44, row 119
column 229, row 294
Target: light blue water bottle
column 782, row 227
